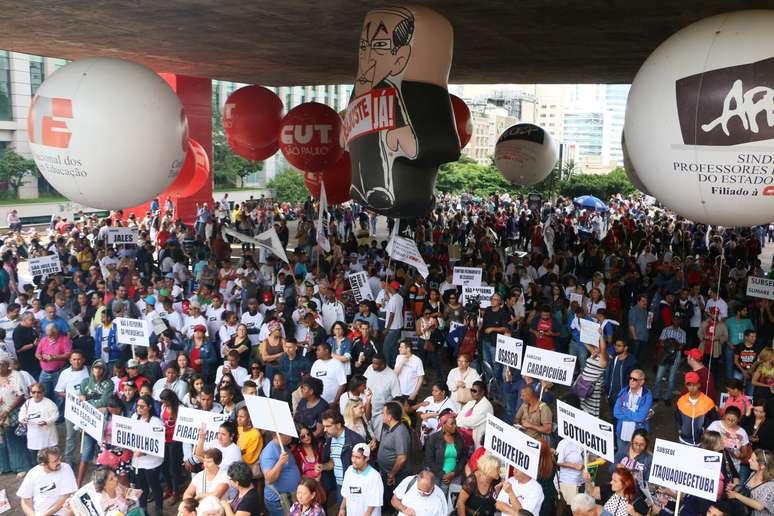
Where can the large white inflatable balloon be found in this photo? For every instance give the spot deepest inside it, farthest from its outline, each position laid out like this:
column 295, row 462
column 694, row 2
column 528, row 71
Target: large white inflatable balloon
column 525, row 154
column 107, row 133
column 700, row 120
column 631, row 172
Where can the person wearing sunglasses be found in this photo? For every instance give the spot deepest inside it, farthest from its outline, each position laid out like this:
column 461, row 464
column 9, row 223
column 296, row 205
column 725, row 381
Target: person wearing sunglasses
column 471, row 420
column 39, row 414
column 632, row 408
column 419, row 495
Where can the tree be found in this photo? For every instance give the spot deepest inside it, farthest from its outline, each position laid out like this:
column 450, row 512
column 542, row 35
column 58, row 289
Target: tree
column 598, row 185
column 228, row 167
column 14, row 169
column 288, row 186
column 466, row 175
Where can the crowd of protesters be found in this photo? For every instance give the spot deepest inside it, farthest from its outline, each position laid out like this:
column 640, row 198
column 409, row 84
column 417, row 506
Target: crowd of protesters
column 390, row 396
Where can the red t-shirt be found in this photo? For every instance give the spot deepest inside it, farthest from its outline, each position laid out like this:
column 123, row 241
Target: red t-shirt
column 547, row 341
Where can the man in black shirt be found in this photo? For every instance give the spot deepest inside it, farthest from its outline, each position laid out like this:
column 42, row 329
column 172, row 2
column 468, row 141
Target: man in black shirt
column 24, row 339
column 495, row 321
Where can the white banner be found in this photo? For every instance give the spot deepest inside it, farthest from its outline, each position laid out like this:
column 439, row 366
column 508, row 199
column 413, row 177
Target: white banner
column 512, row 445
column 322, row 238
column 484, row 295
column 137, row 435
column 467, row 276
column 189, row 421
column 405, row 250
column 134, row 332
column 269, row 240
column 83, row 414
column 592, row 433
column 44, row 265
column 589, row 332
column 689, row 470
column 508, row 351
column 548, row 365
column 86, row 502
column 122, row 236
column 358, row 281
column 578, row 298
column 271, row 415
column 760, row 287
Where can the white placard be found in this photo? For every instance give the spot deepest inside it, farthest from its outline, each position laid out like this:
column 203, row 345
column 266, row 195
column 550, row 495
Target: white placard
column 134, row 332
column 593, row 434
column 137, row 435
column 188, row 422
column 484, row 294
column 689, row 470
column 122, row 236
column 578, row 298
column 760, row 287
column 512, row 445
column 44, row 265
column 408, row 321
column 467, row 276
column 508, row 351
column 358, row 281
column 589, row 332
column 454, row 325
column 86, row 502
column 548, row 365
column 271, row 415
column 83, row 414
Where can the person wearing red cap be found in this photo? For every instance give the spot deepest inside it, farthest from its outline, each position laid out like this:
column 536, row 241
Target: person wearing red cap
column 694, row 412
column 706, row 380
column 201, row 352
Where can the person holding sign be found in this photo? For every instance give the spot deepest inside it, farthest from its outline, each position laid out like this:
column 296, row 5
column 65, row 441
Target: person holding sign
column 147, row 466
column 588, row 385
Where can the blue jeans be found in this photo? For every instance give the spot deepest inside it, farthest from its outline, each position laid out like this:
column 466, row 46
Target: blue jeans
column 662, row 369
column 391, row 346
column 579, row 350
column 14, row 457
column 510, row 392
column 273, row 507
column 728, row 353
column 489, row 358
column 48, row 381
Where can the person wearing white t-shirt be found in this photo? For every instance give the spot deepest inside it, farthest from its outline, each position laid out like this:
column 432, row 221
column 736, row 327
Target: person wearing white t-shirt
column 194, row 319
column 47, row 486
column 40, row 414
column 147, row 466
column 418, row 494
column 330, row 372
column 232, row 366
column 393, row 323
column 214, row 315
column 362, row 488
column 225, row 443
column 520, row 492
column 410, row 371
column 71, row 378
column 569, row 458
column 253, row 319
column 211, row 481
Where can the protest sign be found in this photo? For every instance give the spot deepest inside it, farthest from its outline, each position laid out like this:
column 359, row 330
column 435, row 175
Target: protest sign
column 589, row 332
column 454, row 325
column 408, row 321
column 121, row 236
column 137, row 435
column 271, row 415
column 190, row 420
column 508, row 351
column 760, row 287
column 358, row 282
column 404, row 250
column 134, row 332
column 548, row 365
column 512, row 445
column 83, row 414
column 86, row 502
column 578, row 298
column 484, row 295
column 44, row 265
column 592, row 433
column 688, row 470
column 467, row 276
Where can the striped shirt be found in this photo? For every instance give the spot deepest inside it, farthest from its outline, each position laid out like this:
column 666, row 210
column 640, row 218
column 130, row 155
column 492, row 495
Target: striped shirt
column 670, row 332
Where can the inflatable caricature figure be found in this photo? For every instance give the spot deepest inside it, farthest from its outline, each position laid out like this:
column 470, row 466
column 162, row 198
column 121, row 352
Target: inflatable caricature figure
column 399, row 125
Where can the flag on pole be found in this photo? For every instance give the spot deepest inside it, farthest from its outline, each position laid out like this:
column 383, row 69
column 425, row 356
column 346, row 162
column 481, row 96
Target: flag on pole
column 322, row 239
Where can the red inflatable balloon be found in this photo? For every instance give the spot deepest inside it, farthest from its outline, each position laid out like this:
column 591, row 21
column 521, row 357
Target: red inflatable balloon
column 194, row 174
column 462, row 119
column 337, row 180
column 251, row 120
column 309, row 137
column 255, row 153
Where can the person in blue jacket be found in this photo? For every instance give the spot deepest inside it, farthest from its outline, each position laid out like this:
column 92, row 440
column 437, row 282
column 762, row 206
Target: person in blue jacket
column 618, row 370
column 106, row 344
column 201, row 352
column 632, row 408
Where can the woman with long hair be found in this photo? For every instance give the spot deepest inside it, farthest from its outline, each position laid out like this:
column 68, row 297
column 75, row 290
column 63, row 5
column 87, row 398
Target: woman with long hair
column 307, row 499
column 240, row 342
column 341, row 346
column 249, row 439
column 759, row 494
column 173, row 450
column 592, row 373
column 625, row 500
column 307, row 453
column 191, row 399
column 355, row 420
column 146, row 466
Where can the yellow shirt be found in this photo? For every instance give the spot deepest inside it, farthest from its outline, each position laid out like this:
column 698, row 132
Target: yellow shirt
column 251, row 444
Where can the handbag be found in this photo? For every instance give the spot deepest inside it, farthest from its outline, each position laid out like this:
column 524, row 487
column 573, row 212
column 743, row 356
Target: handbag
column 582, row 387
column 21, row 428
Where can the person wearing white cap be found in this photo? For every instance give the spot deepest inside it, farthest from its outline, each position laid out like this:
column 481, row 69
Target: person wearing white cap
column 362, row 489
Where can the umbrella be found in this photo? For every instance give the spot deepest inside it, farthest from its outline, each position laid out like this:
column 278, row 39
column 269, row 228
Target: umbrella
column 590, row 202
